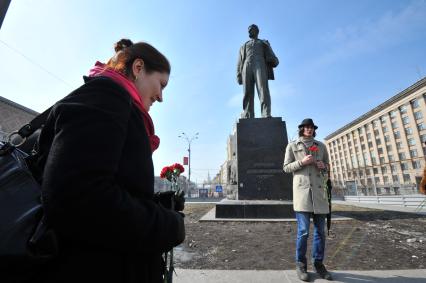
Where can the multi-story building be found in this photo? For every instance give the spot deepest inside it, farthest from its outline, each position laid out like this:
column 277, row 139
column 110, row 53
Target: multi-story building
column 383, row 151
column 13, row 116
column 228, row 170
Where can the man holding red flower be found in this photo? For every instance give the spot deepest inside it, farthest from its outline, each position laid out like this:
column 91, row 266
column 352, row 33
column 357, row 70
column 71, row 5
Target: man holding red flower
column 308, row 160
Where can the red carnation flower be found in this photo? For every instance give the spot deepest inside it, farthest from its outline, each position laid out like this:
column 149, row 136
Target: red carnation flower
column 313, row 148
column 178, row 167
column 164, row 172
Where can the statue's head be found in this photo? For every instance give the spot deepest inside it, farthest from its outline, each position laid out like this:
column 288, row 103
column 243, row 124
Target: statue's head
column 253, row 31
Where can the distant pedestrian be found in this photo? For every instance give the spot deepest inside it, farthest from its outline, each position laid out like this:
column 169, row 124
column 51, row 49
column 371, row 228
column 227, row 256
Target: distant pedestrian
column 308, row 160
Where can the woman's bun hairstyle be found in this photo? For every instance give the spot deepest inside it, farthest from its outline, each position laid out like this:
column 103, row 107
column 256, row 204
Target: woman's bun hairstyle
column 121, row 44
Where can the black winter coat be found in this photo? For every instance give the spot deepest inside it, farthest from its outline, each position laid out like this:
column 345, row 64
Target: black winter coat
column 97, row 189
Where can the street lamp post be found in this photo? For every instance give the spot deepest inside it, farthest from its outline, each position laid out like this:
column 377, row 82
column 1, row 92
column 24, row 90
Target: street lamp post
column 189, row 140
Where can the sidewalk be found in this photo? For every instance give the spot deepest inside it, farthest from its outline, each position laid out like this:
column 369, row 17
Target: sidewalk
column 287, row 276
column 383, row 207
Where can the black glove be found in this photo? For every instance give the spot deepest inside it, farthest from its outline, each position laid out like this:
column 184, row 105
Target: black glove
column 167, row 198
column 179, row 200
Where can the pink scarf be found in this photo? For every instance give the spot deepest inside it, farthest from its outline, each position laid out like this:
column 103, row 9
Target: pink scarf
column 101, row 69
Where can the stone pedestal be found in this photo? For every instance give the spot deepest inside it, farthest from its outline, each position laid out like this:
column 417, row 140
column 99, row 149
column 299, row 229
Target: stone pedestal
column 261, row 144
column 254, row 209
column 263, row 189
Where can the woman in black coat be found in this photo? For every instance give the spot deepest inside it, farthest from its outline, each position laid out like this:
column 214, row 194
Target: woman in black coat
column 98, row 178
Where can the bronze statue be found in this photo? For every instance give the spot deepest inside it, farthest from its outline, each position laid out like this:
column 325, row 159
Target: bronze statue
column 255, row 66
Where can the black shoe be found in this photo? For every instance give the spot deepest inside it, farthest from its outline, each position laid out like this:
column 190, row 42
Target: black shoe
column 301, row 271
column 322, row 271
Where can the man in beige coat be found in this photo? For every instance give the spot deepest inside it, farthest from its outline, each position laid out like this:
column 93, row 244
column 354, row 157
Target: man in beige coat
column 307, row 159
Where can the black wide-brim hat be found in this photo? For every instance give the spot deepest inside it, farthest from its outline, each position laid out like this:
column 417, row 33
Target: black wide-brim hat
column 308, row 122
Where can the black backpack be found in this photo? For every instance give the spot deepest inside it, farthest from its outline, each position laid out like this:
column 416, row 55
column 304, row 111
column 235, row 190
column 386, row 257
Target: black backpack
column 26, row 242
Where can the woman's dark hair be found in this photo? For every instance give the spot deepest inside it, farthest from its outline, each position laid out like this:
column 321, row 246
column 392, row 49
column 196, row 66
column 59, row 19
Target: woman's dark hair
column 127, row 53
column 301, row 132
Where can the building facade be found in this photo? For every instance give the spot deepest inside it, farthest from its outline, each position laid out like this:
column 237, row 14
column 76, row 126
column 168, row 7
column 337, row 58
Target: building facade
column 383, row 151
column 13, row 116
column 228, row 170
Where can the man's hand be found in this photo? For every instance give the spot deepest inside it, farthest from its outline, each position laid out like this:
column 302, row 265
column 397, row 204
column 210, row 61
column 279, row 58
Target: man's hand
column 321, row 165
column 308, row 159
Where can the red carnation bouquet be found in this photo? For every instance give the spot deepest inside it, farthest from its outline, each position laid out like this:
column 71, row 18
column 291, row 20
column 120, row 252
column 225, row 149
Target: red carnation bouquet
column 171, row 173
column 313, row 150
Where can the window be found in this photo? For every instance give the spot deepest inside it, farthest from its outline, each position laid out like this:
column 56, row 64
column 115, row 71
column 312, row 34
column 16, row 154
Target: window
column 363, row 146
column 386, row 179
column 368, row 136
column 385, row 129
column 413, row 153
column 416, row 164
column 405, row 120
column 375, row 123
column 373, row 160
column 370, row 144
column 387, row 139
column 404, row 166
column 395, row 178
column 389, row 147
column 397, row 135
column 418, row 115
column 394, row 168
column 406, row 178
column 378, row 141
column 411, row 141
column 423, row 138
column 375, row 171
column 403, row 109
column 408, row 131
column 369, row 181
column 399, row 145
column 376, row 132
column 415, row 103
column 361, row 139
column 377, row 180
column 382, row 160
column 401, row 156
column 380, row 150
column 383, row 119
column 421, row 126
column 390, row 157
column 394, row 125
column 367, row 172
column 393, row 113
column 384, row 169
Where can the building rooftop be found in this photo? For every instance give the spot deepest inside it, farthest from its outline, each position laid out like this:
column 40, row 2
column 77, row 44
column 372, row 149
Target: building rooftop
column 17, row 106
column 419, row 84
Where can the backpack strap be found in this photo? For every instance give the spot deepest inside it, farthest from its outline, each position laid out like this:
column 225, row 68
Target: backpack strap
column 27, row 130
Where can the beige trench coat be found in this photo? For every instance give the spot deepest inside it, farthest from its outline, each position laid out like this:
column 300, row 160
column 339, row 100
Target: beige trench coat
column 308, row 183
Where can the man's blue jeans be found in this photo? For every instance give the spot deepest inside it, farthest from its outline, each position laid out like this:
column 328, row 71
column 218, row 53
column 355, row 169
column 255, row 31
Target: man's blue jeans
column 303, row 221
